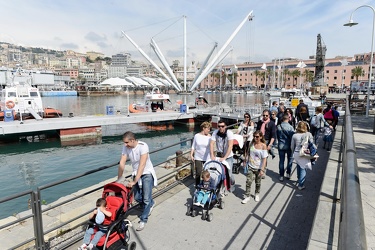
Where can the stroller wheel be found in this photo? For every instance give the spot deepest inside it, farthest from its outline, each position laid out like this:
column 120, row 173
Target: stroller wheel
column 210, row 217
column 132, row 246
column 194, row 213
column 221, row 205
column 204, row 216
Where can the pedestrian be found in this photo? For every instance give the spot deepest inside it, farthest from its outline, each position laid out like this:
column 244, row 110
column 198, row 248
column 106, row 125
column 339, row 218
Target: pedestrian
column 268, row 129
column 327, row 138
column 280, row 114
column 292, row 119
column 222, row 141
column 246, row 129
column 256, row 165
column 274, row 106
column 274, row 117
column 303, row 162
column 285, row 133
column 302, row 111
column 144, row 176
column 316, row 124
column 99, row 214
column 200, row 150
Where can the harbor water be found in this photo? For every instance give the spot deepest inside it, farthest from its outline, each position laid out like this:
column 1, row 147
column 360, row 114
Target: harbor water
column 27, row 165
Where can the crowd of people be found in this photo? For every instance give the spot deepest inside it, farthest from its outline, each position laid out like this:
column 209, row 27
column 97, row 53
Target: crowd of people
column 277, row 128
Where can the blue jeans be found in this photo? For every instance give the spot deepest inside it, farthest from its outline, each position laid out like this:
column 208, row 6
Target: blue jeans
column 282, row 154
column 202, row 196
column 95, row 240
column 144, row 195
column 301, row 175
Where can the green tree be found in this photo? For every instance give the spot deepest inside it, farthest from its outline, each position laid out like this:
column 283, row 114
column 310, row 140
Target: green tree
column 257, row 74
column 309, row 75
column 295, row 74
column 357, row 72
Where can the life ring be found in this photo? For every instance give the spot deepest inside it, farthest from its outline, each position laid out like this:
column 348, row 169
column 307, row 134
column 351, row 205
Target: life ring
column 9, row 104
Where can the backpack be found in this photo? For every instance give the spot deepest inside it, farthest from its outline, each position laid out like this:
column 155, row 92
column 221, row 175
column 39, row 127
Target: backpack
column 329, row 115
column 314, row 121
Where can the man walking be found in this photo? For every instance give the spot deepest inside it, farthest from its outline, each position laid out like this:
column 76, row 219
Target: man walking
column 144, row 177
column 285, row 133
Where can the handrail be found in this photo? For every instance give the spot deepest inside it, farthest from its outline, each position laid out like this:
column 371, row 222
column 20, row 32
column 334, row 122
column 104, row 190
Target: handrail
column 352, row 234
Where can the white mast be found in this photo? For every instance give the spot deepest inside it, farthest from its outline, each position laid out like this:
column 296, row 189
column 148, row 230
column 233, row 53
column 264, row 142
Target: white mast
column 205, row 63
column 152, row 62
column 185, row 53
column 205, row 72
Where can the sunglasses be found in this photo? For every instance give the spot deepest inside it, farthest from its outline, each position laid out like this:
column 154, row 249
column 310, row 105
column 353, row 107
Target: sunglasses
column 256, row 136
column 221, row 126
column 265, row 115
column 247, row 116
column 273, row 114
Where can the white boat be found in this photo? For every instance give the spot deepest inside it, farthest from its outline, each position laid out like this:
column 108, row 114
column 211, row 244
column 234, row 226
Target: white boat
column 274, row 93
column 23, row 100
column 153, row 102
column 291, row 98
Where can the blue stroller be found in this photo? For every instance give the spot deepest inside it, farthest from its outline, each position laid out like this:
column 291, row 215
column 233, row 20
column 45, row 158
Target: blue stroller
column 217, row 173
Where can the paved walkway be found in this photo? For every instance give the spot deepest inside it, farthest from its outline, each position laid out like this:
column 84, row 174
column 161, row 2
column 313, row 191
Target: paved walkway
column 282, row 219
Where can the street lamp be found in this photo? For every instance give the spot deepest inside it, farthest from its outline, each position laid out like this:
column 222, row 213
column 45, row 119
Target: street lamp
column 352, row 23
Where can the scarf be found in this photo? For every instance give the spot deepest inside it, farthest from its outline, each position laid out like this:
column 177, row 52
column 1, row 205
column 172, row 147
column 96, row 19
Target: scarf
column 263, row 127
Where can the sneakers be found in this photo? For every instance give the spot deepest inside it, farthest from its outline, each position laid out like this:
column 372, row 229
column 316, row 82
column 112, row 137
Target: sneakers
column 281, row 178
column 151, row 209
column 83, row 247
column 301, row 187
column 246, row 200
column 141, row 226
column 287, row 176
column 256, row 197
column 196, row 204
column 90, row 247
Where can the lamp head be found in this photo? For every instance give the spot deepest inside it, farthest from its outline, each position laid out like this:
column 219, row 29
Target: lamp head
column 350, row 23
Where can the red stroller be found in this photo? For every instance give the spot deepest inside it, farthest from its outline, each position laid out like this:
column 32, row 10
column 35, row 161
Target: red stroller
column 118, row 199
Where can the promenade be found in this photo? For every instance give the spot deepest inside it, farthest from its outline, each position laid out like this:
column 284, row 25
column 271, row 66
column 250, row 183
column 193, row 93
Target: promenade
column 284, row 218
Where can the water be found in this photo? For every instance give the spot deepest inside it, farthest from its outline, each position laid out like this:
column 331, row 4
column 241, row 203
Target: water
column 27, row 165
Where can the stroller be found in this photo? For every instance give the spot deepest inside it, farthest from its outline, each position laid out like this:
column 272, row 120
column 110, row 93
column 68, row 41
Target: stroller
column 217, row 172
column 118, row 199
column 238, row 153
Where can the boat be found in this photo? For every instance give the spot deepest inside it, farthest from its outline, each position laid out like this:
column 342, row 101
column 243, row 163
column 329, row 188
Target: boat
column 274, row 93
column 153, row 102
column 291, row 98
column 20, row 100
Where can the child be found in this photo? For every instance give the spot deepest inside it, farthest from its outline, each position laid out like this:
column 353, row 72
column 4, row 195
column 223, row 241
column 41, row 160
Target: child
column 328, row 138
column 99, row 213
column 207, row 183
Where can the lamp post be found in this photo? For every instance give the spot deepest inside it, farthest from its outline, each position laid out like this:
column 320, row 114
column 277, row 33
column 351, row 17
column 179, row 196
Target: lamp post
column 350, row 24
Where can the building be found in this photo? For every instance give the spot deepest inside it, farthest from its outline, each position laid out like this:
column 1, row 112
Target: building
column 286, row 74
column 123, row 59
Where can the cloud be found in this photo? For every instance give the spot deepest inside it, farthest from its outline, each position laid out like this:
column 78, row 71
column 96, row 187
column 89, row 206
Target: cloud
column 71, row 46
column 94, row 37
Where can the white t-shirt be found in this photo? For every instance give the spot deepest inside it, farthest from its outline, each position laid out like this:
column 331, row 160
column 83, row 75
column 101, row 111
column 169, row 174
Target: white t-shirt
column 222, row 143
column 134, row 154
column 256, row 157
column 201, row 146
column 99, row 218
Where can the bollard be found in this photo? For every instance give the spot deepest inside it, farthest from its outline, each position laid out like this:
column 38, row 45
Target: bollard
column 178, row 158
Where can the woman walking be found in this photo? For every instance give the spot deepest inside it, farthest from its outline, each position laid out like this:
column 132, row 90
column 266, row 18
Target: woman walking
column 200, row 150
column 256, row 165
column 246, row 129
column 302, row 161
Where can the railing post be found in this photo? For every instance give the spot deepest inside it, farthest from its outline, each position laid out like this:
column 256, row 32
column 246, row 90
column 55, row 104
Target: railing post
column 178, row 158
column 36, row 207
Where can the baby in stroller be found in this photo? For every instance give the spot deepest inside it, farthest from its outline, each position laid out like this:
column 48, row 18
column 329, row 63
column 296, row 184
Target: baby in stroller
column 209, row 193
column 113, row 229
column 99, row 214
column 206, row 186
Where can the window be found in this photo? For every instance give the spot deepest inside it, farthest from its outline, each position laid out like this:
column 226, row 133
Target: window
column 335, row 78
column 335, row 70
column 11, row 94
column 327, row 71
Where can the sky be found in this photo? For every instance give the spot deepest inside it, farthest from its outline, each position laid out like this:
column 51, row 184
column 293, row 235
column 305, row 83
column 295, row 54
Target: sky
column 279, row 28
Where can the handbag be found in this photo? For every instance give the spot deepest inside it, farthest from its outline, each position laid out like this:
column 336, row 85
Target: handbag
column 308, row 149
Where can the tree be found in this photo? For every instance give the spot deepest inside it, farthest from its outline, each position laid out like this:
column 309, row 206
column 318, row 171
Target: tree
column 357, row 72
column 257, row 73
column 309, row 75
column 295, row 73
column 286, row 73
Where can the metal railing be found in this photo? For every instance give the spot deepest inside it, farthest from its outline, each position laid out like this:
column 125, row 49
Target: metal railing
column 352, row 234
column 37, row 210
